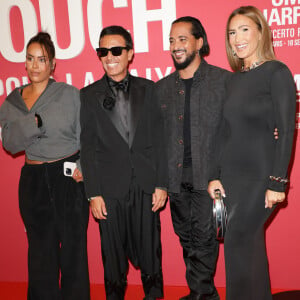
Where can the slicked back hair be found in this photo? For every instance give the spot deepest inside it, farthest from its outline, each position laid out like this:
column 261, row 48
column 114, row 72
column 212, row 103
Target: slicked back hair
column 118, row 30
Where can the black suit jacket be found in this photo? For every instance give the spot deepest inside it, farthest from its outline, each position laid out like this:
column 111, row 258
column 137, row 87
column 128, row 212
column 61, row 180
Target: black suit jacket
column 108, row 161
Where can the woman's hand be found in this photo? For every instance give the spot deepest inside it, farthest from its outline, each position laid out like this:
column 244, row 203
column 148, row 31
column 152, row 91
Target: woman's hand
column 77, row 176
column 158, row 199
column 98, row 208
column 273, row 197
column 215, row 185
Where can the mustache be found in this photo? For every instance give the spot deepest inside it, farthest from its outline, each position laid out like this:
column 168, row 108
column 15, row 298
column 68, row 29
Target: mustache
column 178, row 50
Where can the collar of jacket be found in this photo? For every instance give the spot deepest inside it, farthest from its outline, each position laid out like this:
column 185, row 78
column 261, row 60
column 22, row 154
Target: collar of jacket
column 14, row 97
column 102, row 86
column 199, row 74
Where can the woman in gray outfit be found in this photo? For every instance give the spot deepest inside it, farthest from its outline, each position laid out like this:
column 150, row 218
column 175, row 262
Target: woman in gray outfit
column 42, row 119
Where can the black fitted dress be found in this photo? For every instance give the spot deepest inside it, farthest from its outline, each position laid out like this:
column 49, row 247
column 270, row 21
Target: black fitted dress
column 258, row 101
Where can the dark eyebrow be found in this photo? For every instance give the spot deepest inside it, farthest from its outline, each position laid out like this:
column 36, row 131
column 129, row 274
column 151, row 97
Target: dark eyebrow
column 179, row 37
column 42, row 56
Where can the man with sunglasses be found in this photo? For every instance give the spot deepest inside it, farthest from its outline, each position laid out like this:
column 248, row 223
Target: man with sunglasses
column 124, row 166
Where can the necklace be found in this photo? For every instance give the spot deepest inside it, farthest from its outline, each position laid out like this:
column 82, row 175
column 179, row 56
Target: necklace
column 253, row 66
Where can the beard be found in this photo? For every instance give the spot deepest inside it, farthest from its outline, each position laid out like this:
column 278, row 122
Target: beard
column 186, row 63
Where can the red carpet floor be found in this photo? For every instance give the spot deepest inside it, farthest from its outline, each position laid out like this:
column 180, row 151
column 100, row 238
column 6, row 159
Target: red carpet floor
column 17, row 291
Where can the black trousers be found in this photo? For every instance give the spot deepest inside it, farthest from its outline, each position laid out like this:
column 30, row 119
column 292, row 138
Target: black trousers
column 55, row 213
column 247, row 272
column 131, row 232
column 191, row 212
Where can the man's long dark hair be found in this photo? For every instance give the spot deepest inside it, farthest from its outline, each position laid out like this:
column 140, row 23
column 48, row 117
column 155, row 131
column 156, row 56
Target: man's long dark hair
column 198, row 31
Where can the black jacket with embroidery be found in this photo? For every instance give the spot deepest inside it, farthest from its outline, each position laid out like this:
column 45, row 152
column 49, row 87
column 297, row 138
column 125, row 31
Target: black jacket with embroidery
column 206, row 103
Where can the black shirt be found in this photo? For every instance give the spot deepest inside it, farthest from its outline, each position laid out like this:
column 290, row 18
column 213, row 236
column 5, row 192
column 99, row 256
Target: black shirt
column 187, row 156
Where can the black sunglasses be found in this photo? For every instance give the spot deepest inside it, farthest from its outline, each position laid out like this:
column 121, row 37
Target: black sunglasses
column 115, row 51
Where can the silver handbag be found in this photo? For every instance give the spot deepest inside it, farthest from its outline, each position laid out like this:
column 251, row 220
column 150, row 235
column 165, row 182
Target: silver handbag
column 220, row 215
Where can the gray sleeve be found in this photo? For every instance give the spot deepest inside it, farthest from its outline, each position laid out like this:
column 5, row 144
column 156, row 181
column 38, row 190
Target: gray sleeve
column 78, row 165
column 77, row 124
column 18, row 133
column 78, row 129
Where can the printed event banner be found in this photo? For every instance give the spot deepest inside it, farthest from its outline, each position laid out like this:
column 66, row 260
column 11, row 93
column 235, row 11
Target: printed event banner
column 75, row 26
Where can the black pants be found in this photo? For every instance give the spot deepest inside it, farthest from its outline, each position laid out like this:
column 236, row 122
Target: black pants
column 191, row 212
column 131, row 232
column 247, row 272
column 55, row 213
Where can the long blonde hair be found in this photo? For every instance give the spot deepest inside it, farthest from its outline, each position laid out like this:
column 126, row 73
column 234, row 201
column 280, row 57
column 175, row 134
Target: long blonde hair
column 265, row 50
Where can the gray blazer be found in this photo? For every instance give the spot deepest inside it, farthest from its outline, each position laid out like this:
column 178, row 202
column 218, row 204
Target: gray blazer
column 59, row 107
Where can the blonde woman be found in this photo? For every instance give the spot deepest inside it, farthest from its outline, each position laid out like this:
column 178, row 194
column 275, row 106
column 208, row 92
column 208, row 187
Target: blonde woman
column 252, row 168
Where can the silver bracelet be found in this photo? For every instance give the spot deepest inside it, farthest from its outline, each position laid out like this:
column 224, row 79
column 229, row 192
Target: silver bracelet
column 279, row 179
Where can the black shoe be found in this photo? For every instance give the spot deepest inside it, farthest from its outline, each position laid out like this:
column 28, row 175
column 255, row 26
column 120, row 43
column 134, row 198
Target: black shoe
column 149, row 298
column 195, row 296
column 213, row 296
column 187, row 297
column 192, row 296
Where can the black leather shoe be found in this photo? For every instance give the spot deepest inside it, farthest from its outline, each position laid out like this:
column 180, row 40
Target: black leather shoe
column 194, row 296
column 185, row 297
column 213, row 296
column 191, row 296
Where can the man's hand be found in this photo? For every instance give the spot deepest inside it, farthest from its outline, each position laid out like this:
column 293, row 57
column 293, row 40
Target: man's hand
column 273, row 197
column 158, row 199
column 98, row 208
column 215, row 185
column 77, row 176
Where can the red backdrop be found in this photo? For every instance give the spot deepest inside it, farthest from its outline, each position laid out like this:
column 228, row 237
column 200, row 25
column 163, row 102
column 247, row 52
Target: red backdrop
column 75, row 26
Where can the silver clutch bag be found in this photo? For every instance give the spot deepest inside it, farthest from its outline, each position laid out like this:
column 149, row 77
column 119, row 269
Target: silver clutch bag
column 220, row 215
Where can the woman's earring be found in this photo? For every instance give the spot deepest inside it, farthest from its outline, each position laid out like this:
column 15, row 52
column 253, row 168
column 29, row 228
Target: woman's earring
column 234, row 54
